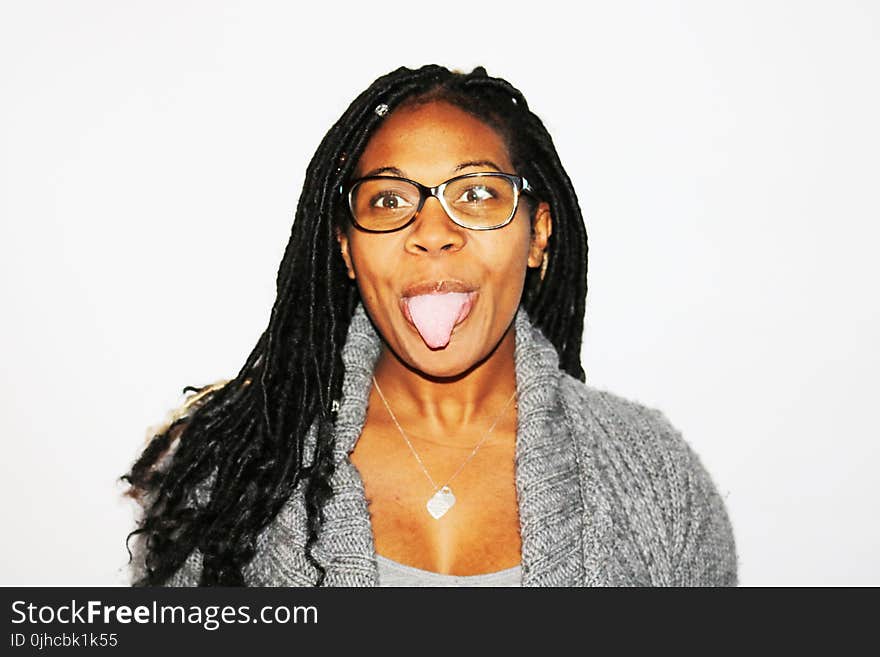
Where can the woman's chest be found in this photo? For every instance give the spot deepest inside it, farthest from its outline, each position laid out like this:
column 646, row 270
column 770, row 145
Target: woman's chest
column 478, row 533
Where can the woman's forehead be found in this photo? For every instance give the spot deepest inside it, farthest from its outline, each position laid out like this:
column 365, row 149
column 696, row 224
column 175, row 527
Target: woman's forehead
column 430, row 139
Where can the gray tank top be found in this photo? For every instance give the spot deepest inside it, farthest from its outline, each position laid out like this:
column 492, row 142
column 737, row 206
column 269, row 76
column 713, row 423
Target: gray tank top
column 392, row 573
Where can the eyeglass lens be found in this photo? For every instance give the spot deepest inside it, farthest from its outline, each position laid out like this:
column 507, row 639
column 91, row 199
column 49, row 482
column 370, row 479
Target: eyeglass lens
column 477, row 201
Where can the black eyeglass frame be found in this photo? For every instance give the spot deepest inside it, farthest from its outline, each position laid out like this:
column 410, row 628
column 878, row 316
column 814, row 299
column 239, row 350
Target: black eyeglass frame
column 520, row 186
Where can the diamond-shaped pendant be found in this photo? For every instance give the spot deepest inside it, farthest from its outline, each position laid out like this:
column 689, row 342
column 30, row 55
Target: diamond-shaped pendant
column 440, row 502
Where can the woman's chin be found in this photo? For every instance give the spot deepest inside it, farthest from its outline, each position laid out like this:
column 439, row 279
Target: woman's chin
column 449, row 361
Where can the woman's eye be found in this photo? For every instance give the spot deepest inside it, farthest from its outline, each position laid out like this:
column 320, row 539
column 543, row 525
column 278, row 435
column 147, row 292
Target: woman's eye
column 475, row 194
column 389, row 201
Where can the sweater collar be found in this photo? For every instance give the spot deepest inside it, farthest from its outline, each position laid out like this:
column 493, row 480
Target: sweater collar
column 551, row 503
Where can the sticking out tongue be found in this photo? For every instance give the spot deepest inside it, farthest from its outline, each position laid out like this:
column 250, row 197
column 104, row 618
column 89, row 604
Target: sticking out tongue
column 435, row 315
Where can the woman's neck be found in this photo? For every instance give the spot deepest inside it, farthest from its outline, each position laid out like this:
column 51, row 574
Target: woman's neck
column 453, row 407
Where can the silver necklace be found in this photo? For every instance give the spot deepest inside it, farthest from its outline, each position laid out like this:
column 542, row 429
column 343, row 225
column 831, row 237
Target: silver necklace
column 442, row 499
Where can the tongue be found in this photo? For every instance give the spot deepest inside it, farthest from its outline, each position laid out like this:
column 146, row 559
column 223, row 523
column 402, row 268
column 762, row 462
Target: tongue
column 435, row 315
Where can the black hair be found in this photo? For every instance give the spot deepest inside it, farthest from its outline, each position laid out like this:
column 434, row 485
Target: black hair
column 250, row 431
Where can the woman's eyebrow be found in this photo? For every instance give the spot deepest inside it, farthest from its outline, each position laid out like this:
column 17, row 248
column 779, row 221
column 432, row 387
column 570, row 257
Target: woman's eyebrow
column 376, row 172
column 478, row 163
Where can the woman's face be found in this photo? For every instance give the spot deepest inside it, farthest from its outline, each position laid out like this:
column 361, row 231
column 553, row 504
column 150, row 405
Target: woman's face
column 431, row 143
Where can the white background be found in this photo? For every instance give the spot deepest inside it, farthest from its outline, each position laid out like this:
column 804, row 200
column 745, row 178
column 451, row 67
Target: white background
column 726, row 159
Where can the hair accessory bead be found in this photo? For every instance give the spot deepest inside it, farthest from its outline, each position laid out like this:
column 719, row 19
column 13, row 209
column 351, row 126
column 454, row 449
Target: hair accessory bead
column 381, row 109
column 341, row 161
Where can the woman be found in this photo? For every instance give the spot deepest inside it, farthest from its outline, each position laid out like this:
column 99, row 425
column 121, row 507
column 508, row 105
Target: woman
column 416, row 412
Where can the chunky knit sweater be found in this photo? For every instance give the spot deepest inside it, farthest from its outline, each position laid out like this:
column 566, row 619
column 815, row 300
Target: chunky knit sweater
column 609, row 493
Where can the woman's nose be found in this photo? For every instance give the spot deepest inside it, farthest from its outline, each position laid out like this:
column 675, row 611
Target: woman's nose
column 434, row 232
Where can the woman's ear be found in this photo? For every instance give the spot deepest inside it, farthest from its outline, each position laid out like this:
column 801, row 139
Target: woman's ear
column 542, row 228
column 342, row 238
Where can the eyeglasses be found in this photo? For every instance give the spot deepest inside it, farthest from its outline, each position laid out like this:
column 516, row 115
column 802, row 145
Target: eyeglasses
column 479, row 201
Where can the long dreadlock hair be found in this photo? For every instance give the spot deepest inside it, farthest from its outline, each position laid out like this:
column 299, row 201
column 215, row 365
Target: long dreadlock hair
column 250, row 431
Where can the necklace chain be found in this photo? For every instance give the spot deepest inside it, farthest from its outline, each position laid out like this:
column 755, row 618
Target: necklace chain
column 416, row 454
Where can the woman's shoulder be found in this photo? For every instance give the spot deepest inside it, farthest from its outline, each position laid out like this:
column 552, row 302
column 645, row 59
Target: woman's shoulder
column 630, row 442
column 618, row 421
column 632, row 438
column 645, row 467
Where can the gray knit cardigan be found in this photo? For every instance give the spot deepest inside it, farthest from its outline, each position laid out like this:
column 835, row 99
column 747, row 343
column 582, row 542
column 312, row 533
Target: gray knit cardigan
column 609, row 493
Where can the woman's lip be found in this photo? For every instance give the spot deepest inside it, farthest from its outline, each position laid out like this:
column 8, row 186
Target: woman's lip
column 437, row 286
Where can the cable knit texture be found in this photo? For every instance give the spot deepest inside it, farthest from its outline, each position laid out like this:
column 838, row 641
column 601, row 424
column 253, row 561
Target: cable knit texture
column 609, row 493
